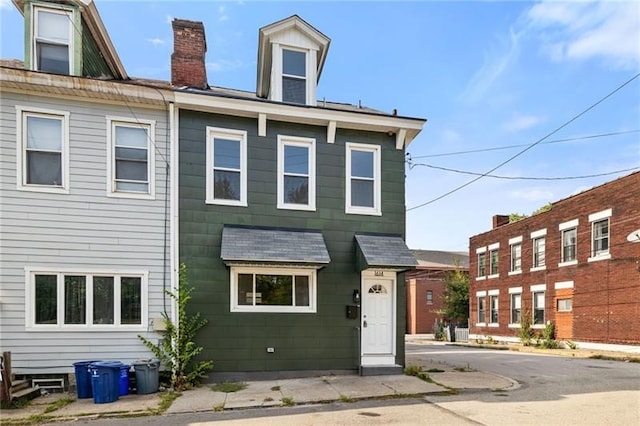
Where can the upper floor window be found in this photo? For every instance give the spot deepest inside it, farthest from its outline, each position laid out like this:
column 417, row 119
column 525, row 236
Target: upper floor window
column 569, row 238
column 429, row 296
column 363, row 179
column 482, row 264
column 259, row 289
column 226, row 166
column 600, row 235
column 43, row 156
column 75, row 300
column 539, row 252
column 296, row 173
column 130, row 171
column 493, row 261
column 516, row 257
column 52, row 48
column 294, row 76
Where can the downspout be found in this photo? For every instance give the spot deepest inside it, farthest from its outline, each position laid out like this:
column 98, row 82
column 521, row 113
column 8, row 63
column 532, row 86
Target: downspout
column 173, row 222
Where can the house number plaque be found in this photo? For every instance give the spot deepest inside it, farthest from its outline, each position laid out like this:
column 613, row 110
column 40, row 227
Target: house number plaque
column 378, row 273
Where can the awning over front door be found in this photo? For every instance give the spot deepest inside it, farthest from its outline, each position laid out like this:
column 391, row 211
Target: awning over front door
column 242, row 245
column 384, row 252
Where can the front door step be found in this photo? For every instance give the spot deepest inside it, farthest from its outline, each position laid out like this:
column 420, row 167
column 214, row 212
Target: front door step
column 380, row 370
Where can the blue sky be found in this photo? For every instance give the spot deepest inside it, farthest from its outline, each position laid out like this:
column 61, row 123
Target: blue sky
column 486, row 74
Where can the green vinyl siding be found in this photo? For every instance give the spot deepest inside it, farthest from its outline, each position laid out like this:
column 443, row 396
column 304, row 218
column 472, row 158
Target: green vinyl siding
column 325, row 340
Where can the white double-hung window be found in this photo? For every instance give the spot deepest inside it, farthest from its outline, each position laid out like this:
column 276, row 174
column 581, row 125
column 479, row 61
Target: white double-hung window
column 226, row 166
column 294, row 76
column 363, row 179
column 131, row 170
column 43, row 150
column 296, row 173
column 52, row 41
column 600, row 235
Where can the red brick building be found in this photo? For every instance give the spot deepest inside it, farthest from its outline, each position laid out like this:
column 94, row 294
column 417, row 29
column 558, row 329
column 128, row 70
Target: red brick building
column 425, row 287
column 577, row 265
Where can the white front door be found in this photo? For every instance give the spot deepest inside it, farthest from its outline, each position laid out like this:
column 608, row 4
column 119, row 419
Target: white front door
column 378, row 344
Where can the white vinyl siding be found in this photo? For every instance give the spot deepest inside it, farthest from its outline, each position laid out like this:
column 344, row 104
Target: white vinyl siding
column 83, row 230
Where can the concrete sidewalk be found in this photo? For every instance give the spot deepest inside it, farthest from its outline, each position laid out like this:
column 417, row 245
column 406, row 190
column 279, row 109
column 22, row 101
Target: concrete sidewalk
column 256, row 394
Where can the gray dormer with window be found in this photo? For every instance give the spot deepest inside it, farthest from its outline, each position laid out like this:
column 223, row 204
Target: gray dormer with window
column 290, row 59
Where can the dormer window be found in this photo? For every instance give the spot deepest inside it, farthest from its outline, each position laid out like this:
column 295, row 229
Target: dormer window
column 52, row 48
column 294, row 76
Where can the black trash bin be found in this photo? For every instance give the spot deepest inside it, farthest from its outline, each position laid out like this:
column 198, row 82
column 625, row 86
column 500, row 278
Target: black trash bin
column 147, row 376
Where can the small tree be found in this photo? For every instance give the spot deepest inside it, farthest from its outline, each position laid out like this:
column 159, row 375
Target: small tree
column 177, row 349
column 525, row 332
column 456, row 296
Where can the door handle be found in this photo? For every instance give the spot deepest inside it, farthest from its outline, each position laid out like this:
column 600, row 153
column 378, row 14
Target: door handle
column 364, row 324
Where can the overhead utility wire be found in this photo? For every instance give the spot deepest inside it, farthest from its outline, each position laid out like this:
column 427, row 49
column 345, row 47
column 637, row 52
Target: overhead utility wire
column 530, row 146
column 412, row 165
column 497, row 148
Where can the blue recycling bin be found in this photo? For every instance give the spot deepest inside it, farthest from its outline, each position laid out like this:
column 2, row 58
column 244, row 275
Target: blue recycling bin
column 83, row 379
column 105, row 379
column 123, row 381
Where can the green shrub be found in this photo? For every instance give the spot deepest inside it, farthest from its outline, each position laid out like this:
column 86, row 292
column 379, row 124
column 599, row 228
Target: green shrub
column 525, row 332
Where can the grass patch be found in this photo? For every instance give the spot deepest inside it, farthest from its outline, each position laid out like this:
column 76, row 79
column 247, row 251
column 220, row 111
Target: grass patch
column 275, row 388
column 416, row 371
column 435, row 370
column 267, row 399
column 615, row 358
column 56, row 405
column 228, row 387
column 345, row 398
column 218, row 408
column 287, row 402
column 166, row 399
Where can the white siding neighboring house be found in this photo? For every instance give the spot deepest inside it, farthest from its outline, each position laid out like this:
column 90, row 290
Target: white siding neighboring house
column 83, row 261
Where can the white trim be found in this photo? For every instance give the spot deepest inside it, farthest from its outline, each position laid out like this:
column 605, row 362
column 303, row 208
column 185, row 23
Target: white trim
column 538, row 268
column 174, row 222
column 310, row 145
column 563, row 284
column 331, row 132
column 493, row 324
column 512, row 325
column 568, row 225
column 480, row 250
column 539, row 326
column 311, row 273
column 401, row 135
column 494, row 246
column 277, row 73
column 569, row 263
column 515, row 290
column 262, row 124
column 230, row 134
column 482, row 278
column 539, row 233
column 21, row 144
column 493, row 276
column 481, row 293
column 376, row 210
column 605, row 256
column 88, row 326
column 481, row 324
column 538, row 287
column 517, row 272
column 600, row 215
column 515, row 240
column 494, row 292
column 150, row 126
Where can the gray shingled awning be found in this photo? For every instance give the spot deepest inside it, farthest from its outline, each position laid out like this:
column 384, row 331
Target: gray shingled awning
column 383, row 251
column 273, row 245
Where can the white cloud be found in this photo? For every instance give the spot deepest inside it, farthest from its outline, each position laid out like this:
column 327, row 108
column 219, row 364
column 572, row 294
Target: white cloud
column 222, row 14
column 532, row 194
column 224, row 65
column 156, row 41
column 520, row 122
column 495, row 65
column 604, row 30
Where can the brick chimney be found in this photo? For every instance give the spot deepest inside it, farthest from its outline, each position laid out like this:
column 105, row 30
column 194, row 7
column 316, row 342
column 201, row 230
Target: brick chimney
column 499, row 220
column 187, row 60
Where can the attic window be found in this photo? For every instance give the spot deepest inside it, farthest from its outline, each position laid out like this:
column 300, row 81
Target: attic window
column 52, row 41
column 294, row 76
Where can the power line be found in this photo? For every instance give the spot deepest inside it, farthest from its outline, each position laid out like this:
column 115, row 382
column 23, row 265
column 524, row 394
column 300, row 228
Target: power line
column 412, row 165
column 529, row 146
column 497, row 148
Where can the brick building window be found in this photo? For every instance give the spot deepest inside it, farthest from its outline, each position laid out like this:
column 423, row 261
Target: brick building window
column 429, row 297
column 516, row 308
column 482, row 264
column 539, row 252
column 600, row 238
column 516, row 257
column 493, row 302
column 482, row 309
column 493, row 262
column 538, row 308
column 569, row 244
column 565, row 305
